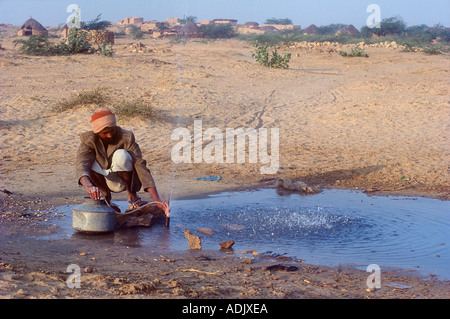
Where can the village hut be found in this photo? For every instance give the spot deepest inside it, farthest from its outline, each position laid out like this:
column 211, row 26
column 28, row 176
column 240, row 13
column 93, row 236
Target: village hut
column 252, row 25
column 312, row 29
column 268, row 28
column 65, row 31
column 132, row 20
column 232, row 22
column 32, row 27
column 349, row 30
column 190, row 30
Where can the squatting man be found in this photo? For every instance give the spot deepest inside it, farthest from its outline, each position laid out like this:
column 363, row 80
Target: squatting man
column 110, row 161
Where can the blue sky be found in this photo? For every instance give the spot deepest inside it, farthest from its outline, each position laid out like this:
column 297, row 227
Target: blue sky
column 301, row 12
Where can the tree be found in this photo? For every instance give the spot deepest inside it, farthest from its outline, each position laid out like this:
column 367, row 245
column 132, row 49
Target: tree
column 188, row 19
column 330, row 29
column 389, row 26
column 95, row 24
column 285, row 21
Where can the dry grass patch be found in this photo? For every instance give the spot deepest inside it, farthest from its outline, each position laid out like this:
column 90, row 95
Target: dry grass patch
column 97, row 96
column 100, row 96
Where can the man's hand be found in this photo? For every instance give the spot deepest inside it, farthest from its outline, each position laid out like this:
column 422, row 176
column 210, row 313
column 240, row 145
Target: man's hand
column 165, row 207
column 93, row 192
column 91, row 189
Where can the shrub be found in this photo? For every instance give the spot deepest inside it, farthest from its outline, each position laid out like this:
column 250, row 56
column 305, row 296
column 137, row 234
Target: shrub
column 433, row 49
column 355, row 52
column 408, row 47
column 34, row 45
column 135, row 32
column 274, row 60
column 218, row 31
column 106, row 51
column 76, row 42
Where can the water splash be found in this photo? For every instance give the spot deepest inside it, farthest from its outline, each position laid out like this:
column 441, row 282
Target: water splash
column 291, row 223
column 331, row 228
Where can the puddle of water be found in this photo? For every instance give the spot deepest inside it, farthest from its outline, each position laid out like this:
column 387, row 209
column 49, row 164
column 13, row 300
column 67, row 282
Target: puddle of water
column 331, row 228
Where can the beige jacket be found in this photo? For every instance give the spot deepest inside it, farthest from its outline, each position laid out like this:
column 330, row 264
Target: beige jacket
column 91, row 149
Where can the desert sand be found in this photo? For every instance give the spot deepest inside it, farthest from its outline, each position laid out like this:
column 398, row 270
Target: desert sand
column 379, row 124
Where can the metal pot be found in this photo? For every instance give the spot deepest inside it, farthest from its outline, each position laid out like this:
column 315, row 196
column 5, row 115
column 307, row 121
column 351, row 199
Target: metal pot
column 93, row 216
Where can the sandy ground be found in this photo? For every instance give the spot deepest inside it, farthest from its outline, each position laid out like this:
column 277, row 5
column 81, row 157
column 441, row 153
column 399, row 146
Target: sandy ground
column 377, row 123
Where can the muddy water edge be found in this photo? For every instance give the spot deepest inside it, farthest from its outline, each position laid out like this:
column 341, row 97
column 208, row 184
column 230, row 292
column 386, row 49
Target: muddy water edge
column 36, row 268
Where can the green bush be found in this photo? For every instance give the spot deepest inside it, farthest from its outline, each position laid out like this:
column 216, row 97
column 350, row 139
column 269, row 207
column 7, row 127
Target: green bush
column 355, row 52
column 135, row 32
column 218, row 31
column 75, row 43
column 35, row 45
column 272, row 60
column 433, row 49
column 106, row 51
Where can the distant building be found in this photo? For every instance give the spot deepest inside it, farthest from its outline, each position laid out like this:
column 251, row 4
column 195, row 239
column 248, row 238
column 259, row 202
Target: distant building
column 269, row 28
column 190, row 30
column 32, row 27
column 349, row 30
column 254, row 27
column 246, row 30
column 148, row 26
column 312, row 29
column 173, row 21
column 251, row 25
column 65, row 31
column 132, row 20
column 280, row 26
column 225, row 21
column 207, row 22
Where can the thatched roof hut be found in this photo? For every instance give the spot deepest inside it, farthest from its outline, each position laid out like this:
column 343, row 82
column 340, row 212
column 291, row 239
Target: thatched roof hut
column 312, row 29
column 190, row 30
column 349, row 30
column 32, row 27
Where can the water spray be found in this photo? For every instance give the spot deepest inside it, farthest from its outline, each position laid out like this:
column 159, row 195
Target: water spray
column 166, row 211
